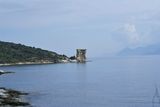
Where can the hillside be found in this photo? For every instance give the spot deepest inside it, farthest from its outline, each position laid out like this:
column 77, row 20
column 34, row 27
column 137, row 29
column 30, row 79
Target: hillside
column 11, row 53
column 147, row 50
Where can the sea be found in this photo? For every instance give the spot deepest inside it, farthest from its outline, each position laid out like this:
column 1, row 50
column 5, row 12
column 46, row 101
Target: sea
column 101, row 82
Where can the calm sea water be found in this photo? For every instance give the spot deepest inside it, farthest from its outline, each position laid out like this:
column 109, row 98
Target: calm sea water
column 104, row 82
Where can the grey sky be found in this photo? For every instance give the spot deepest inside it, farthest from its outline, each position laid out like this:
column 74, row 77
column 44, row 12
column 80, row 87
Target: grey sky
column 102, row 26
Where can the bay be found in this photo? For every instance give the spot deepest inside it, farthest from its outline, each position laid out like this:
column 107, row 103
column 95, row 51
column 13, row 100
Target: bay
column 103, row 82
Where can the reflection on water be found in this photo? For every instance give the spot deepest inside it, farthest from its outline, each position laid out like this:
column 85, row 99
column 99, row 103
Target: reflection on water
column 110, row 82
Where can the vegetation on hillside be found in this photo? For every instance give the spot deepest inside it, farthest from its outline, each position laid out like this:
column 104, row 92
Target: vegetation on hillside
column 15, row 53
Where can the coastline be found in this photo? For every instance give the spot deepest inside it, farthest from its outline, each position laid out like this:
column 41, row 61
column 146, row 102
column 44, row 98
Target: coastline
column 34, row 63
column 39, row 62
column 11, row 97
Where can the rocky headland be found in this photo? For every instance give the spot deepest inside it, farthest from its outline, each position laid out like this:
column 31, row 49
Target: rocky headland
column 18, row 54
column 10, row 97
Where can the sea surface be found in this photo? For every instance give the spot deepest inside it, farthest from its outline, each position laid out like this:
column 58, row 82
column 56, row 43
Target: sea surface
column 103, row 82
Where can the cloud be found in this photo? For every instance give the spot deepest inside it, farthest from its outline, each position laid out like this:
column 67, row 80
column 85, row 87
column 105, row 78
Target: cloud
column 104, row 21
column 131, row 33
column 29, row 13
column 127, row 35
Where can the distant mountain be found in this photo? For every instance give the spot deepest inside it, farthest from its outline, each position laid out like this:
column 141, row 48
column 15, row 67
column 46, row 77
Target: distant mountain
column 148, row 50
column 11, row 53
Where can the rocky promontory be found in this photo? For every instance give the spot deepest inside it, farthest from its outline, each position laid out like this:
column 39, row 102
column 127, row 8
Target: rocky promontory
column 10, row 97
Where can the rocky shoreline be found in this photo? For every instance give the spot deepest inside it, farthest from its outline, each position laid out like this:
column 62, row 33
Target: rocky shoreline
column 26, row 63
column 38, row 63
column 10, row 97
column 4, row 72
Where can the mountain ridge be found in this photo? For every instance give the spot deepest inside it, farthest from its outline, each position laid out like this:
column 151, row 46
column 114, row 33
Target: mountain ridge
column 153, row 49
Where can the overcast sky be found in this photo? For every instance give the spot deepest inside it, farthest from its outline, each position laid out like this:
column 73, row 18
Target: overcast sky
column 103, row 27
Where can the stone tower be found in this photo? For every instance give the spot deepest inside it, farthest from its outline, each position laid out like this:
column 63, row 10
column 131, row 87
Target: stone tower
column 81, row 55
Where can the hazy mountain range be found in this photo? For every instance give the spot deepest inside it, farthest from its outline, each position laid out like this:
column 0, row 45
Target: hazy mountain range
column 147, row 50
